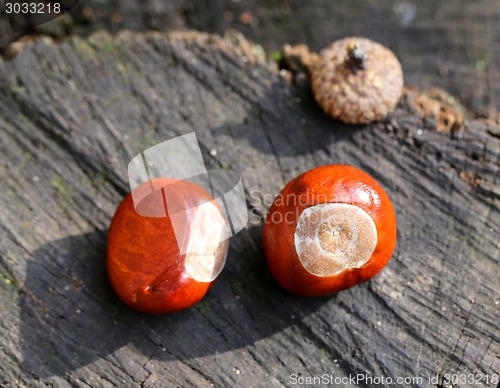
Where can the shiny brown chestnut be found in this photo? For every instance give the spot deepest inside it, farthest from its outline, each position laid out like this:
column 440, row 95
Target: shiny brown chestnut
column 330, row 228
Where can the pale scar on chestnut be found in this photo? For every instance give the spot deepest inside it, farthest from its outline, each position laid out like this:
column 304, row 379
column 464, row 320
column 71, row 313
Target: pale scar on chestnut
column 206, row 247
column 333, row 237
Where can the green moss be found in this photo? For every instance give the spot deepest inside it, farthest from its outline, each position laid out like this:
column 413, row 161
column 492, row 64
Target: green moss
column 20, row 90
column 148, row 138
column 259, row 51
column 480, row 61
column 277, row 56
column 7, row 279
column 122, row 68
column 285, row 23
column 111, row 47
column 203, row 306
column 480, row 65
column 62, row 187
column 85, row 49
column 237, row 287
column 100, row 178
column 272, row 5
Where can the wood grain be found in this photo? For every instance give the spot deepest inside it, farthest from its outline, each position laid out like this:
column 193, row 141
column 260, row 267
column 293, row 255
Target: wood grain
column 72, row 115
column 451, row 43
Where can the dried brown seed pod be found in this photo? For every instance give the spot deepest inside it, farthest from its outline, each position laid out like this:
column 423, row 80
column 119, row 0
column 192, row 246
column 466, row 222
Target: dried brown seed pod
column 357, row 80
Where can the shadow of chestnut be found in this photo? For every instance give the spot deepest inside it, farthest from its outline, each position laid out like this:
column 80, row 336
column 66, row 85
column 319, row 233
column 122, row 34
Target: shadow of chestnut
column 70, row 316
column 286, row 121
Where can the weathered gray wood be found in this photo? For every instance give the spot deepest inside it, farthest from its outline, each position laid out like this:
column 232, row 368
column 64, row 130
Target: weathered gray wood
column 448, row 43
column 73, row 115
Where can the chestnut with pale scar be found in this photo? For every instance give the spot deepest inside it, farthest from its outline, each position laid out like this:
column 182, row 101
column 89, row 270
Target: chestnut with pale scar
column 343, row 235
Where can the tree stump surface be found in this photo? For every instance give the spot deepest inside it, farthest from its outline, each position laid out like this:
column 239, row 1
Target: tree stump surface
column 74, row 114
column 452, row 44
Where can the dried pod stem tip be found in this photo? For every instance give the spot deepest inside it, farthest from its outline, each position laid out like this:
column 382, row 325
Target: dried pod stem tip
column 355, row 57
